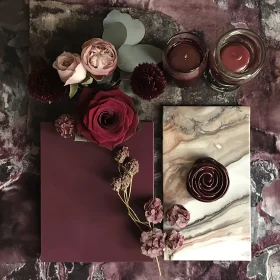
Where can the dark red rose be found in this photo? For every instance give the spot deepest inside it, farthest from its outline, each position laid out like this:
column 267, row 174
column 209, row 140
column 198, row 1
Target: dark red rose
column 106, row 118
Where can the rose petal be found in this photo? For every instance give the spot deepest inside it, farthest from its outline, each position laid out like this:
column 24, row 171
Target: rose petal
column 116, row 93
column 85, row 98
column 65, row 75
column 78, row 76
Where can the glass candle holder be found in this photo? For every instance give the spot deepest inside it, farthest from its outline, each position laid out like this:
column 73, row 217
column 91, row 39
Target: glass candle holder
column 236, row 58
column 185, row 58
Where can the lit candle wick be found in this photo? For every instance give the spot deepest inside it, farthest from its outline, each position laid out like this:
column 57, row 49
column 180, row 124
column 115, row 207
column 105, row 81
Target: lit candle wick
column 186, row 56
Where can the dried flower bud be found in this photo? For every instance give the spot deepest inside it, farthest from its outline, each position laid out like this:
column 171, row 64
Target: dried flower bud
column 116, row 183
column 132, row 166
column 177, row 216
column 174, row 239
column 65, row 126
column 152, row 243
column 121, row 154
column 154, row 211
column 126, row 180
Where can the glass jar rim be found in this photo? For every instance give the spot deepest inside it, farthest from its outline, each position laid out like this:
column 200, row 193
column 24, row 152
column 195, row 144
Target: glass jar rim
column 220, row 44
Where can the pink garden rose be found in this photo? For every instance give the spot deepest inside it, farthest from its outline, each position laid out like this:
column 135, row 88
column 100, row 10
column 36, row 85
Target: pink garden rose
column 99, row 57
column 174, row 239
column 70, row 68
column 152, row 243
column 106, row 118
column 154, row 211
column 177, row 216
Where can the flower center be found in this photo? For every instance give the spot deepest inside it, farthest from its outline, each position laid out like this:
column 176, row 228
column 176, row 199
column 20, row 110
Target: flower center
column 106, row 119
column 100, row 57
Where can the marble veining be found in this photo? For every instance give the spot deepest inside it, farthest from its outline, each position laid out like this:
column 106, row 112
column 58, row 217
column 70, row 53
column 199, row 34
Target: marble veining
column 218, row 230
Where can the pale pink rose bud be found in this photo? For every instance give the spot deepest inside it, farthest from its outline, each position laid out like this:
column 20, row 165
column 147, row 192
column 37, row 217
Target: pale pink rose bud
column 69, row 68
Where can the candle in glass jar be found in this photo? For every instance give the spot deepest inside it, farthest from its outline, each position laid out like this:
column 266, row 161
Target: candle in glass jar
column 184, row 57
column 235, row 57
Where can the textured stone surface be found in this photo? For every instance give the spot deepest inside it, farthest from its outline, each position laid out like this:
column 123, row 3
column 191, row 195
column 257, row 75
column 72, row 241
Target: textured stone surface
column 18, row 155
column 262, row 173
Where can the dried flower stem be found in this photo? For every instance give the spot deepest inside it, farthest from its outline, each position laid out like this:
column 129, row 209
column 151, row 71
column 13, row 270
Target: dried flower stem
column 125, row 198
column 159, row 270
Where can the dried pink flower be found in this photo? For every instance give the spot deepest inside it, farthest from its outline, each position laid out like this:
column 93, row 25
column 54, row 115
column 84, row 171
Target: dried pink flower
column 117, row 184
column 174, row 239
column 121, row 183
column 178, row 216
column 154, row 211
column 152, row 243
column 65, row 126
column 132, row 166
column 121, row 154
column 126, row 180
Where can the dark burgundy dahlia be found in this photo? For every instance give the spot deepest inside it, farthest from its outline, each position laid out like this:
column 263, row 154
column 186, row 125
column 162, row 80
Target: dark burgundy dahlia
column 147, row 81
column 44, row 84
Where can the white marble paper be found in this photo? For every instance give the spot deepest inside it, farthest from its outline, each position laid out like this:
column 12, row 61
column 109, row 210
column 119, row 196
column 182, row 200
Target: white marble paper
column 217, row 230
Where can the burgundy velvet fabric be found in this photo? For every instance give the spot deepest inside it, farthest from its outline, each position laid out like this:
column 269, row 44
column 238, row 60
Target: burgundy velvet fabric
column 82, row 218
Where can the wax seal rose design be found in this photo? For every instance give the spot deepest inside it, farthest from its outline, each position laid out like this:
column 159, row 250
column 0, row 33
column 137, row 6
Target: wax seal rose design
column 207, row 180
column 106, row 118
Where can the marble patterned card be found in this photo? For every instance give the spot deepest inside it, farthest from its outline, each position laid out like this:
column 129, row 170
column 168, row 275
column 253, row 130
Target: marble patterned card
column 218, row 230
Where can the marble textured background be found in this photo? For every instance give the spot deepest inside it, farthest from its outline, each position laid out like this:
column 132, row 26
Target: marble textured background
column 19, row 185
column 220, row 230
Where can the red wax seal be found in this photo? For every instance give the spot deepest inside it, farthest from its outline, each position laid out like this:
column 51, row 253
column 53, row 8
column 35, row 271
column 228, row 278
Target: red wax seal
column 207, row 180
column 235, row 57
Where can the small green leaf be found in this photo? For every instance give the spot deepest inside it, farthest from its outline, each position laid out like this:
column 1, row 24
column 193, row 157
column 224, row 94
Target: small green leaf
column 73, row 90
column 88, row 80
column 138, row 107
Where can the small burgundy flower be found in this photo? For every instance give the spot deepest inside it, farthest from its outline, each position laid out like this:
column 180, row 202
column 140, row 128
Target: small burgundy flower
column 65, row 126
column 154, row 211
column 152, row 243
column 121, row 154
column 147, row 81
column 174, row 239
column 178, row 216
column 44, row 84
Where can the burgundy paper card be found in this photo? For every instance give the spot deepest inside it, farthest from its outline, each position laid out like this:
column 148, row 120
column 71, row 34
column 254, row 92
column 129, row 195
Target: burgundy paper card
column 82, row 218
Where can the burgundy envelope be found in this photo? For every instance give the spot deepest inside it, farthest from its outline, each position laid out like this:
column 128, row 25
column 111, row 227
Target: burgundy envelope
column 82, row 218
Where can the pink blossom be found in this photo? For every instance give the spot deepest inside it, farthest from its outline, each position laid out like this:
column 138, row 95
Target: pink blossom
column 177, row 216
column 152, row 243
column 154, row 211
column 174, row 239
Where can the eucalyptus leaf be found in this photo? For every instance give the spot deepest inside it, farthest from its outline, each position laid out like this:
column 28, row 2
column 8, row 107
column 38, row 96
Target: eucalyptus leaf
column 73, row 90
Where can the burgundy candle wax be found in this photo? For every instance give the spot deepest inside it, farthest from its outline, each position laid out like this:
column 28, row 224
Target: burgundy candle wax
column 184, row 57
column 235, row 57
